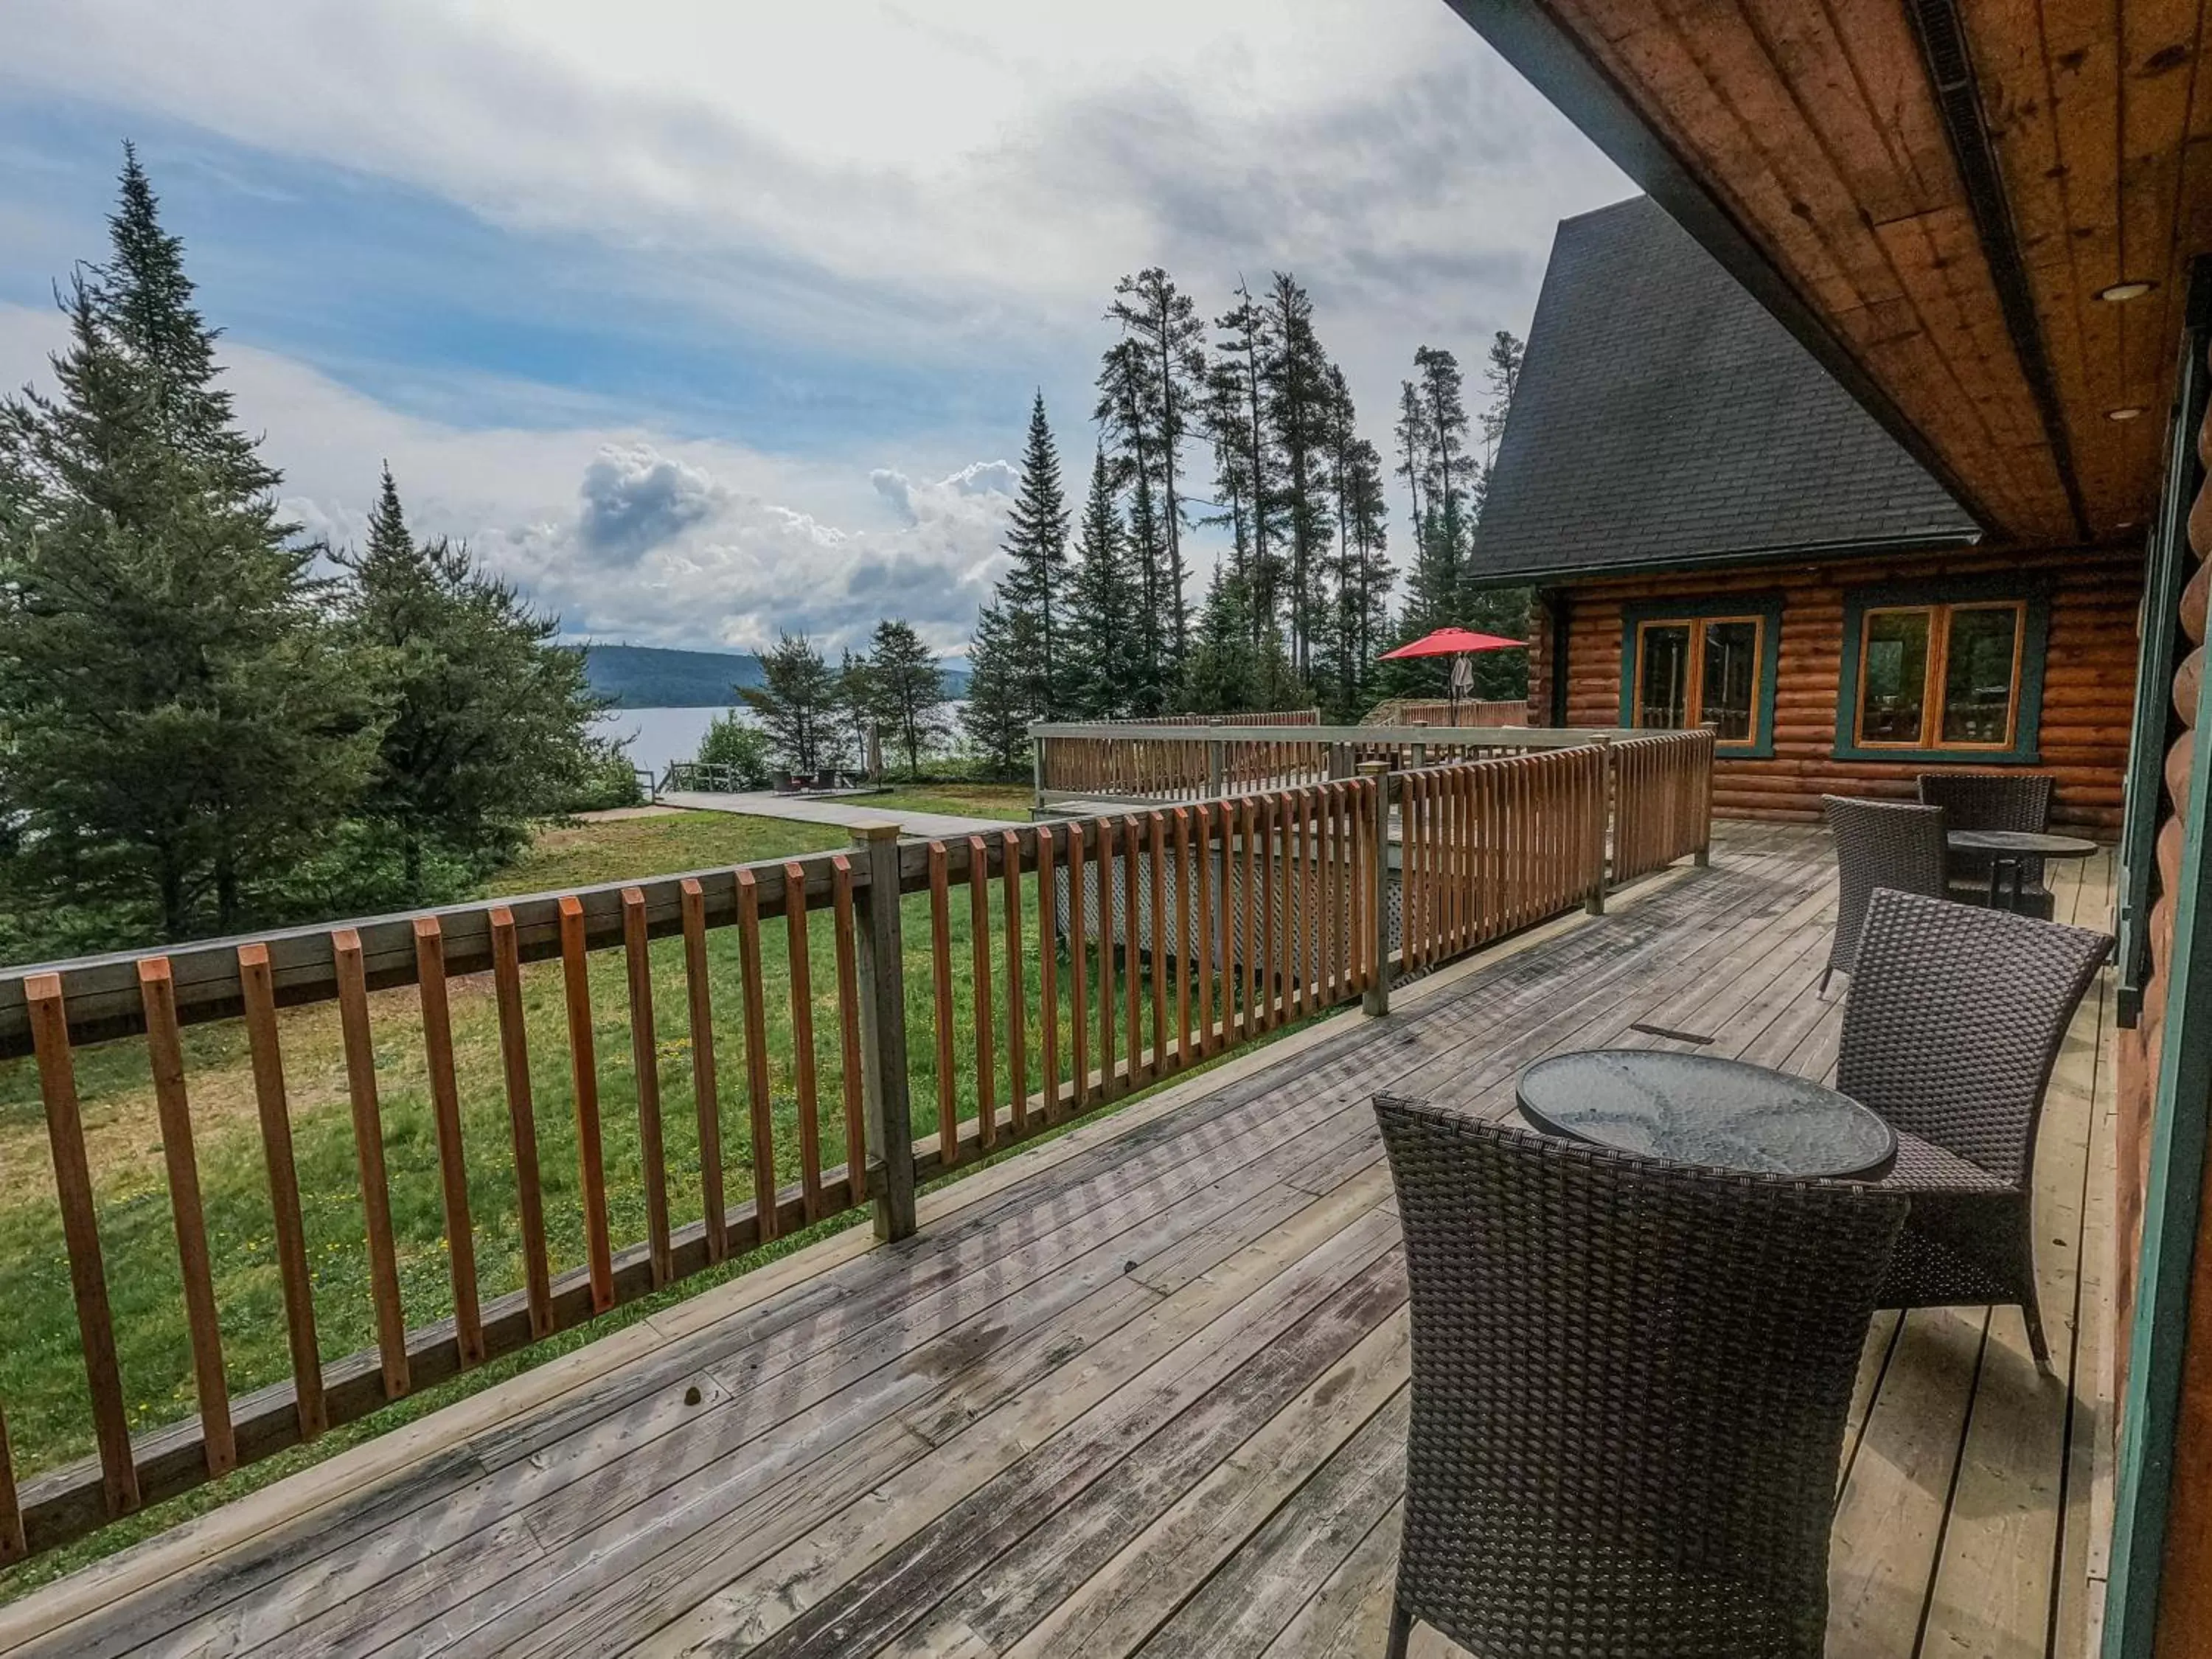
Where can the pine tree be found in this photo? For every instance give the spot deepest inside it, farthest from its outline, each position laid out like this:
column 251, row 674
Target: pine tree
column 1359, row 574
column 798, row 703
column 1037, row 540
column 1248, row 471
column 1150, row 395
column 1109, row 673
column 182, row 724
column 1501, row 374
column 908, row 690
column 1298, row 419
column 491, row 721
column 996, row 715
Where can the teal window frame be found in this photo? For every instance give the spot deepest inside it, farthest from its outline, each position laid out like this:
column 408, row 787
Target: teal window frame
column 1766, row 608
column 2028, row 718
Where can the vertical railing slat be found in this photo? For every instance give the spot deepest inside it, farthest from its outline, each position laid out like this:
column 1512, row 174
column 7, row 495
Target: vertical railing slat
column 848, row 1029
column 1133, row 966
column 979, row 957
column 1047, row 974
column 368, row 1155
column 584, row 1084
column 706, row 1084
column 446, row 1120
column 1205, row 930
column 14, row 1546
column 1078, row 992
column 1247, row 965
column 760, row 1104
column 1103, row 863
column 521, row 1119
column 805, row 1066
column 111, row 1419
column 164, row 1052
column 645, row 1070
column 1156, row 835
column 259, row 996
column 1185, row 935
column 1010, row 897
column 940, row 982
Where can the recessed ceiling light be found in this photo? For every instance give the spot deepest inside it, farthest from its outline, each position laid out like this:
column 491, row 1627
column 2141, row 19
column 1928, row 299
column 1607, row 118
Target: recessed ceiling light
column 2125, row 290
column 2127, row 413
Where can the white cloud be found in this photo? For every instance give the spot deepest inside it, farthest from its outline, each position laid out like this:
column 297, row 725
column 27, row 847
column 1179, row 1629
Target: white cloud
column 626, row 533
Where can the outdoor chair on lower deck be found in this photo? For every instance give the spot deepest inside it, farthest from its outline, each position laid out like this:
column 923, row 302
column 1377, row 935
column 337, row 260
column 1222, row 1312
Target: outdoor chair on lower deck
column 1993, row 800
column 1879, row 844
column 1953, row 1021
column 1630, row 1385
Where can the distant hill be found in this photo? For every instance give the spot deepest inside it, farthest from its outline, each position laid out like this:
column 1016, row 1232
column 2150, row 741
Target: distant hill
column 650, row 677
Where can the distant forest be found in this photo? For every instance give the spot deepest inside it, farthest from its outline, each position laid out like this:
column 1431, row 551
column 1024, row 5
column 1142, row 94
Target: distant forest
column 650, row 677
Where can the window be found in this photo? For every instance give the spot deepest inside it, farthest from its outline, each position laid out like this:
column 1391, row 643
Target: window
column 1940, row 675
column 1930, row 671
column 1708, row 663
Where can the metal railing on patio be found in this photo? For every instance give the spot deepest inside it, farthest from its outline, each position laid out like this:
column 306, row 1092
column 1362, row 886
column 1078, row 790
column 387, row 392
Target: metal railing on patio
column 820, row 1066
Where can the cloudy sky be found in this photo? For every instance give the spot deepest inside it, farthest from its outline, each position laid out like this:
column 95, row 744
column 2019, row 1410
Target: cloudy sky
column 706, row 318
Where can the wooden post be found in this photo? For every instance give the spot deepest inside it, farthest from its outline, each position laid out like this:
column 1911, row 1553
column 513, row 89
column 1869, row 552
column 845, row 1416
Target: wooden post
column 1036, row 770
column 1377, row 998
column 1217, row 771
column 1593, row 900
column 890, row 1110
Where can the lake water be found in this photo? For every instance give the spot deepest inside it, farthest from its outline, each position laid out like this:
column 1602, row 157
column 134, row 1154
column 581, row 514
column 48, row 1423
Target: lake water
column 655, row 737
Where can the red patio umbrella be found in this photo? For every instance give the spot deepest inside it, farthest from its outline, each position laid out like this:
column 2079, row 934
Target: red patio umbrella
column 1453, row 642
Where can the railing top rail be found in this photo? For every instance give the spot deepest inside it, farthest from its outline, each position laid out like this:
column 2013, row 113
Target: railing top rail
column 1526, row 737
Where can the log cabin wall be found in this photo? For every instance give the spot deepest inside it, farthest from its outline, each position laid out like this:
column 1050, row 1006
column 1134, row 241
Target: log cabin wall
column 2088, row 682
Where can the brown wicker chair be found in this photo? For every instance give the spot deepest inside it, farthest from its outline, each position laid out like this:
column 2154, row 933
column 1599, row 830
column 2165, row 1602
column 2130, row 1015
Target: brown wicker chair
column 1993, row 800
column 1952, row 1023
column 1879, row 844
column 1631, row 1380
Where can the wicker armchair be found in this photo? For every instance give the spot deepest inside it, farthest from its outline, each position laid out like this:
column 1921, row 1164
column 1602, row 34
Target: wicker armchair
column 1879, row 844
column 1993, row 800
column 1631, row 1380
column 1952, row 1023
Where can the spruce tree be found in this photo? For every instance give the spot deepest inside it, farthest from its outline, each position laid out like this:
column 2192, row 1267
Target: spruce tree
column 797, row 703
column 1224, row 675
column 183, row 724
column 490, row 722
column 1037, row 540
column 996, row 715
column 1248, row 471
column 1108, row 668
column 908, row 689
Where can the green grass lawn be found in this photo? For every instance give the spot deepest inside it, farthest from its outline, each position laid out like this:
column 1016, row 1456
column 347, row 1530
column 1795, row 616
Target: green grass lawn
column 41, row 1372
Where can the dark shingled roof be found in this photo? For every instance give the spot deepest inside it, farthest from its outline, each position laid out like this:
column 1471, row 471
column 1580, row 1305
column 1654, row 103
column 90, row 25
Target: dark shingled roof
column 1664, row 419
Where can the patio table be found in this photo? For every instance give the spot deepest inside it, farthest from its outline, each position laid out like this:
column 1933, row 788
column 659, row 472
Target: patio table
column 2010, row 848
column 1700, row 1108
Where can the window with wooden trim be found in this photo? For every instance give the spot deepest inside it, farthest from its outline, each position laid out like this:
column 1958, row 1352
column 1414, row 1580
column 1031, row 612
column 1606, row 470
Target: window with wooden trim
column 1696, row 671
column 1940, row 677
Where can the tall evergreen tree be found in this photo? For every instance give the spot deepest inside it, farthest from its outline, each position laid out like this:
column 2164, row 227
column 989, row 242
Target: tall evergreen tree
column 1298, row 417
column 798, row 703
column 490, row 723
column 1248, row 471
column 1109, row 674
column 1037, row 540
column 996, row 714
column 1359, row 574
column 1151, row 398
column 1225, row 676
column 181, row 720
column 908, row 688
column 1501, row 375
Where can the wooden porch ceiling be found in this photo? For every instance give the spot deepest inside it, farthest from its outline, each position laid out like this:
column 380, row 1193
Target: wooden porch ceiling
column 1806, row 144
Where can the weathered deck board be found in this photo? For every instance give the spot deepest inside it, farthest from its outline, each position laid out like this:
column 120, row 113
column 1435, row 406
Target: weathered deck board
column 1144, row 1391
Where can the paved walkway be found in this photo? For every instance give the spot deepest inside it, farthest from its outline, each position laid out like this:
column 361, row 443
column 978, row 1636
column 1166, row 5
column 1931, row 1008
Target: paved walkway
column 852, row 811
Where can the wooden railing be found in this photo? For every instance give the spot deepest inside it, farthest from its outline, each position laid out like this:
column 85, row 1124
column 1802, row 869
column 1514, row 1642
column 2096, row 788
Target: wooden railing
column 1143, row 763
column 1176, row 934
column 1441, row 711
column 1663, row 784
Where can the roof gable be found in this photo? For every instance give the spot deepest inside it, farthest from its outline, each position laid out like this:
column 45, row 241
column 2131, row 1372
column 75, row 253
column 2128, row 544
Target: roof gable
column 1664, row 418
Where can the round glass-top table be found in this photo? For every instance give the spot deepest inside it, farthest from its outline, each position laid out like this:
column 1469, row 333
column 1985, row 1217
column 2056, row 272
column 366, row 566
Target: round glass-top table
column 1699, row 1109
column 2012, row 848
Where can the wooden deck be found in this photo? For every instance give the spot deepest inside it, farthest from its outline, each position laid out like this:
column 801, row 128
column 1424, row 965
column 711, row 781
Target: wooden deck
column 1142, row 1389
